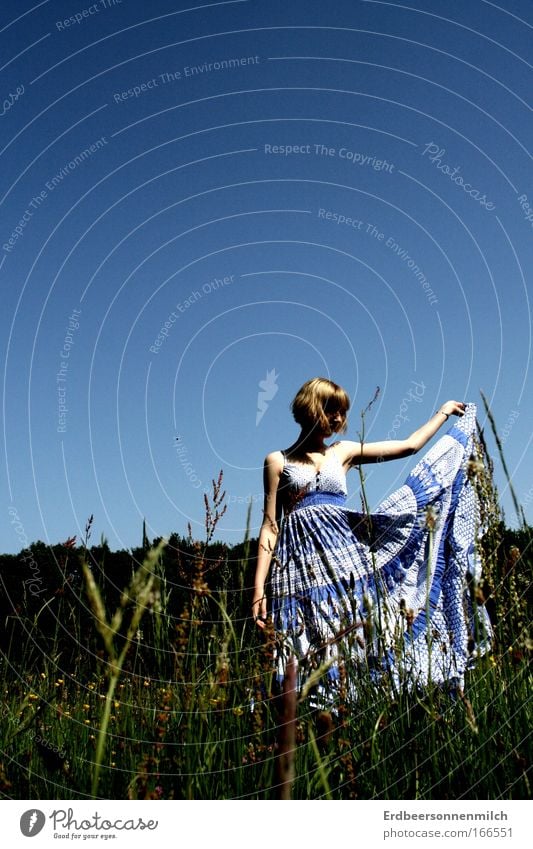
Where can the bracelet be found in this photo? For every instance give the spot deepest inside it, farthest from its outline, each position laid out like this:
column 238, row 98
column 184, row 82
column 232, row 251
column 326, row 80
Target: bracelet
column 443, row 414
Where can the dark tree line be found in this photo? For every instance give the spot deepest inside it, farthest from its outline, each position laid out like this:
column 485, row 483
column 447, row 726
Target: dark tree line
column 45, row 611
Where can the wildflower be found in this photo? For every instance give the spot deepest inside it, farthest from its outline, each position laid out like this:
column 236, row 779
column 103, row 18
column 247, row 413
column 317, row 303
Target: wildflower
column 474, row 467
column 86, row 707
column 479, row 595
column 33, row 697
column 407, row 612
column 154, row 601
column 470, row 717
column 325, row 725
column 431, row 517
column 238, row 711
column 59, row 682
column 87, row 721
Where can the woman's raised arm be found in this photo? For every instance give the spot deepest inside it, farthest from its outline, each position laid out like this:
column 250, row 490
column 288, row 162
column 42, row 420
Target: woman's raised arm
column 392, row 449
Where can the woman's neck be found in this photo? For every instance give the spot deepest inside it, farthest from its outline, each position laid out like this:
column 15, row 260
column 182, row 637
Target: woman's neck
column 310, row 443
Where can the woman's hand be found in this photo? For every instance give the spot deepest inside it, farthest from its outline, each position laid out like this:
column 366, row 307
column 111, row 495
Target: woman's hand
column 259, row 608
column 452, row 408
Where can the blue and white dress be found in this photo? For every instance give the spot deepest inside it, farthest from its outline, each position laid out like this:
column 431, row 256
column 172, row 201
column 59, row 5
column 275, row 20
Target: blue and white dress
column 390, row 591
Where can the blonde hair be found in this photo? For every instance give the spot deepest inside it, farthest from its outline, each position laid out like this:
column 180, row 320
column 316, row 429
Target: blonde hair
column 315, row 399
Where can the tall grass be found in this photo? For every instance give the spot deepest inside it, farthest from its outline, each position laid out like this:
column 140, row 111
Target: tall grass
column 154, row 705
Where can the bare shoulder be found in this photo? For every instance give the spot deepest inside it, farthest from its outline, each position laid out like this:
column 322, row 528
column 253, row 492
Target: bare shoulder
column 272, row 470
column 274, row 462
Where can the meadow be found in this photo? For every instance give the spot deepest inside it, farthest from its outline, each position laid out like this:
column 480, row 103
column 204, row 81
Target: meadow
column 139, row 675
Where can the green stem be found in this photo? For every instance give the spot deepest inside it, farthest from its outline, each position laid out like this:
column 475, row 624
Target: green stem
column 102, row 733
column 519, row 509
column 428, row 605
column 368, row 518
column 320, row 765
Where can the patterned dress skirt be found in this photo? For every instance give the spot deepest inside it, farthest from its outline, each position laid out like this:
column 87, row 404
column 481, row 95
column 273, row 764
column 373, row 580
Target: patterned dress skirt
column 390, row 592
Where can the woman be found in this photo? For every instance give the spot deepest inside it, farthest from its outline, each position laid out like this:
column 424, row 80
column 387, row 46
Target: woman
column 389, row 589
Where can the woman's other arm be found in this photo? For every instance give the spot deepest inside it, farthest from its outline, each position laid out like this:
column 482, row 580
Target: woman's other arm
column 268, row 535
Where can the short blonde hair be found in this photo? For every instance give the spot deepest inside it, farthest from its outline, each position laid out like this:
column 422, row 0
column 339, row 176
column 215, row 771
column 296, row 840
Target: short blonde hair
column 315, row 399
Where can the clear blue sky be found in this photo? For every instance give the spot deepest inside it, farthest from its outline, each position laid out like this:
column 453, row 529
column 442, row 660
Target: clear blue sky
column 197, row 198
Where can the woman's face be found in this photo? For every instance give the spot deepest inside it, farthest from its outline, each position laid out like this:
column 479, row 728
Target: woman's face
column 335, row 420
